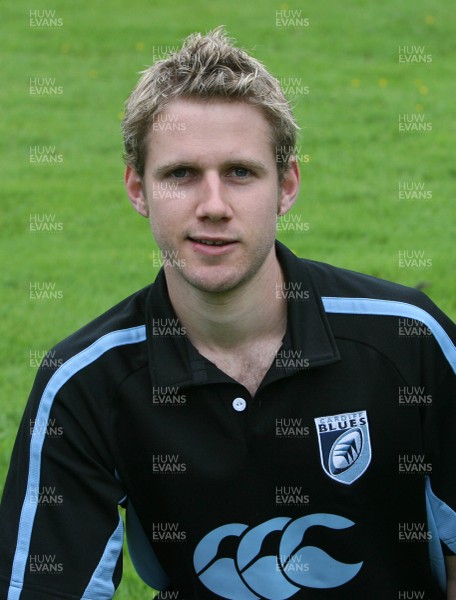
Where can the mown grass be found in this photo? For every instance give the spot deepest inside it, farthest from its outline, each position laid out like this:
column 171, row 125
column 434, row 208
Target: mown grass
column 347, row 57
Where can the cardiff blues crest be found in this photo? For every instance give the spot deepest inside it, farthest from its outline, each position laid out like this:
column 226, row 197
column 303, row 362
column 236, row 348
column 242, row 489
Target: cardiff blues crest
column 345, row 447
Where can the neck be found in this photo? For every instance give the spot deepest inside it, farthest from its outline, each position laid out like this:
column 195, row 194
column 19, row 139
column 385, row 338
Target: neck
column 227, row 321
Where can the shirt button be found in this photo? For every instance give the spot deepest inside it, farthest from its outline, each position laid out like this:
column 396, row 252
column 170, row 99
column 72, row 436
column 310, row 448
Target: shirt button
column 239, row 404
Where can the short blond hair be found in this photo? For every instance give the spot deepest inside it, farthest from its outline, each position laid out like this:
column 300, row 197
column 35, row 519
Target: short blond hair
column 207, row 67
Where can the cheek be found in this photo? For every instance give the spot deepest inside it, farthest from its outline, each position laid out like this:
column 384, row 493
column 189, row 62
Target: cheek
column 267, row 211
column 261, row 225
column 158, row 224
column 165, row 220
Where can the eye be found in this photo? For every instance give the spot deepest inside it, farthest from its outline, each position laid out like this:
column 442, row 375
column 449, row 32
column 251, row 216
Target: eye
column 180, row 173
column 241, row 172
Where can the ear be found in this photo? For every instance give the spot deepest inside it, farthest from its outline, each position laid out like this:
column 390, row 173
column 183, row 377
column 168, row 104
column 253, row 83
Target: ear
column 134, row 187
column 290, row 187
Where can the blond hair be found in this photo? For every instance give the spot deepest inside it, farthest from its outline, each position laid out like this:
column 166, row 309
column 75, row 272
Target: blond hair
column 207, row 67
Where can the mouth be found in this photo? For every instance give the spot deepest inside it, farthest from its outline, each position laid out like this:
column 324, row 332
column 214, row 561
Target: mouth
column 211, row 241
column 208, row 245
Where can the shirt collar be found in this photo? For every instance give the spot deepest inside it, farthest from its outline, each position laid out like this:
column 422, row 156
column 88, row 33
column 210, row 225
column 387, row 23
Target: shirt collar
column 308, row 328
column 174, row 361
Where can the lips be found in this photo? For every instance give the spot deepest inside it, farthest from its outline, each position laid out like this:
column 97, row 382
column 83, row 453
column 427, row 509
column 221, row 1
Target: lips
column 212, row 246
column 211, row 242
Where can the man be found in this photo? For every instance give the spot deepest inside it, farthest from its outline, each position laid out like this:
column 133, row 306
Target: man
column 269, row 430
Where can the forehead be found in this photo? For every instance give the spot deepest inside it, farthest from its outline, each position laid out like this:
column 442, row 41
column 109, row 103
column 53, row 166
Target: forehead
column 198, row 129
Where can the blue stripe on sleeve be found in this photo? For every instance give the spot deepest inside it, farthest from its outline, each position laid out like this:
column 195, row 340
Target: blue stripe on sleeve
column 444, row 517
column 369, row 306
column 101, row 585
column 60, row 377
column 436, row 559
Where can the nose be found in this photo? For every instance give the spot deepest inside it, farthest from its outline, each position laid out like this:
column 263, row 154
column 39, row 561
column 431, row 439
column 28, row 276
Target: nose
column 212, row 199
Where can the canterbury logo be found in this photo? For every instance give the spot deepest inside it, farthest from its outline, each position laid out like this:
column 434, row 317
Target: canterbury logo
column 251, row 576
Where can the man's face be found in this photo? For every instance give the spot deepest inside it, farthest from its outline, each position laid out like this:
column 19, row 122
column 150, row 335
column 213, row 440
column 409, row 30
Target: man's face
column 211, row 192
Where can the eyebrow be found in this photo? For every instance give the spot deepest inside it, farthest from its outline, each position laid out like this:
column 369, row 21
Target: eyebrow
column 248, row 163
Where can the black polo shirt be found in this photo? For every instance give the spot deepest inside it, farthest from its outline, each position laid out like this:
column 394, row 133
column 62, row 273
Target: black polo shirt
column 335, row 480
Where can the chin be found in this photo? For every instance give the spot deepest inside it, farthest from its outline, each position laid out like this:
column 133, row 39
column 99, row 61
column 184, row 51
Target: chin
column 215, row 287
column 215, row 284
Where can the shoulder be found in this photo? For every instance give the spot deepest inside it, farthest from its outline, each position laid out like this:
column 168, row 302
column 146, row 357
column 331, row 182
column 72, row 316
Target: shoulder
column 100, row 341
column 351, row 296
column 339, row 282
column 336, row 282
column 118, row 323
column 359, row 300
column 347, row 290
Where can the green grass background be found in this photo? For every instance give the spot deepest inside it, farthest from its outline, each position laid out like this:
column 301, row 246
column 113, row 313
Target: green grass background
column 347, row 56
